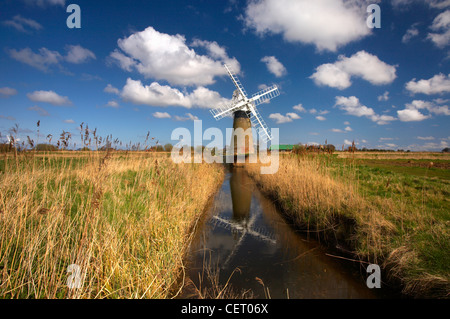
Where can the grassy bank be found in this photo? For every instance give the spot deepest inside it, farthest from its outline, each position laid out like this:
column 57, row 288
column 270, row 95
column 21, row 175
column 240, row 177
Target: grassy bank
column 124, row 218
column 389, row 217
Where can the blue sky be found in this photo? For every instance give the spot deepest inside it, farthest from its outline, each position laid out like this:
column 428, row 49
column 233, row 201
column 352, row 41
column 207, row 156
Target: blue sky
column 139, row 66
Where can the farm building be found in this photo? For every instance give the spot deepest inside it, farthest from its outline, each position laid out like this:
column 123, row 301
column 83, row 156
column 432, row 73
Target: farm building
column 282, row 147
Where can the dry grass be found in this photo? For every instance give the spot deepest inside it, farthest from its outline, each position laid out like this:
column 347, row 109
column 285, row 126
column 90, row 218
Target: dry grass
column 326, row 199
column 394, row 155
column 125, row 219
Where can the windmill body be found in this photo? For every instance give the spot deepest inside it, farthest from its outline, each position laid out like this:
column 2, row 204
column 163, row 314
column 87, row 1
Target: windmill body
column 246, row 115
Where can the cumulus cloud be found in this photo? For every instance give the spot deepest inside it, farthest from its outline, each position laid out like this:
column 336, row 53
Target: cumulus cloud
column 280, row 118
column 7, row 92
column 320, row 118
column 438, row 84
column 413, row 111
column 9, row 118
column 39, row 110
column 274, row 66
column 410, row 33
column 327, row 24
column 425, row 138
column 411, row 115
column 299, row 107
column 384, row 96
column 43, row 3
column 41, row 60
column 439, row 4
column 352, row 106
column 161, row 115
column 441, row 27
column 77, row 54
column 22, row 24
column 112, row 104
column 167, row 57
column 362, row 64
column 45, row 58
column 156, row 94
column 111, row 89
column 188, row 117
column 49, row 97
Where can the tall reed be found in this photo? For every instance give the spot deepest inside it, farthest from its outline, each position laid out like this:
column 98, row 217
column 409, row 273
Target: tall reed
column 123, row 218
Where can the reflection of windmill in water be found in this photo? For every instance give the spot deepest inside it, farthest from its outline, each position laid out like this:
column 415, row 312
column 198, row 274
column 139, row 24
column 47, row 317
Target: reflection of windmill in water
column 245, row 115
column 241, row 222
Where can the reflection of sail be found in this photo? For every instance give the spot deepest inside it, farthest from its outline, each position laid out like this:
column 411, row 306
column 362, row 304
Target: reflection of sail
column 241, row 222
column 241, row 194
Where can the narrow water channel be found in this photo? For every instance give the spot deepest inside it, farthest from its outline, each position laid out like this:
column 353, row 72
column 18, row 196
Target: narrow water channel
column 244, row 240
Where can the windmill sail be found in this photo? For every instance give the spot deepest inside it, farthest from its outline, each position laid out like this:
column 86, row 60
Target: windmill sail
column 241, row 103
column 236, row 82
column 265, row 95
column 259, row 124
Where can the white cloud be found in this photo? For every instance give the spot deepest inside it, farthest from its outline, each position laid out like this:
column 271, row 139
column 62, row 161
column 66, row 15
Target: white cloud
column 299, row 107
column 384, row 96
column 41, row 61
column 113, row 104
column 70, row 121
column 410, row 33
column 77, row 54
column 49, row 97
column 438, row 84
column 348, row 129
column 7, row 92
column 274, row 66
column 43, row 3
column 347, row 142
column 111, row 89
column 439, row 4
column 161, row 115
column 362, row 64
column 280, row 118
column 353, row 106
column 188, row 117
column 411, row 115
column 293, row 116
column 39, row 110
column 327, row 24
column 426, row 138
column 163, row 95
column 45, row 58
column 336, row 130
column 167, row 57
column 22, row 24
column 441, row 27
column 320, row 118
column 9, row 118
column 346, row 123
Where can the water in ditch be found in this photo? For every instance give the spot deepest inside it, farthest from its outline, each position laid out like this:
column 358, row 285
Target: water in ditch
column 244, row 243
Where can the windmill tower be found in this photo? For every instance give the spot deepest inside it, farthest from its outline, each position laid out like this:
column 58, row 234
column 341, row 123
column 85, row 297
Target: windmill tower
column 245, row 115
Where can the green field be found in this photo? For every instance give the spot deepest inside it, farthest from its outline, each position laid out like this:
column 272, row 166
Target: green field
column 394, row 210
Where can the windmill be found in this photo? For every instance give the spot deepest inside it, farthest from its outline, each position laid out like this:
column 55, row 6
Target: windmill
column 245, row 114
